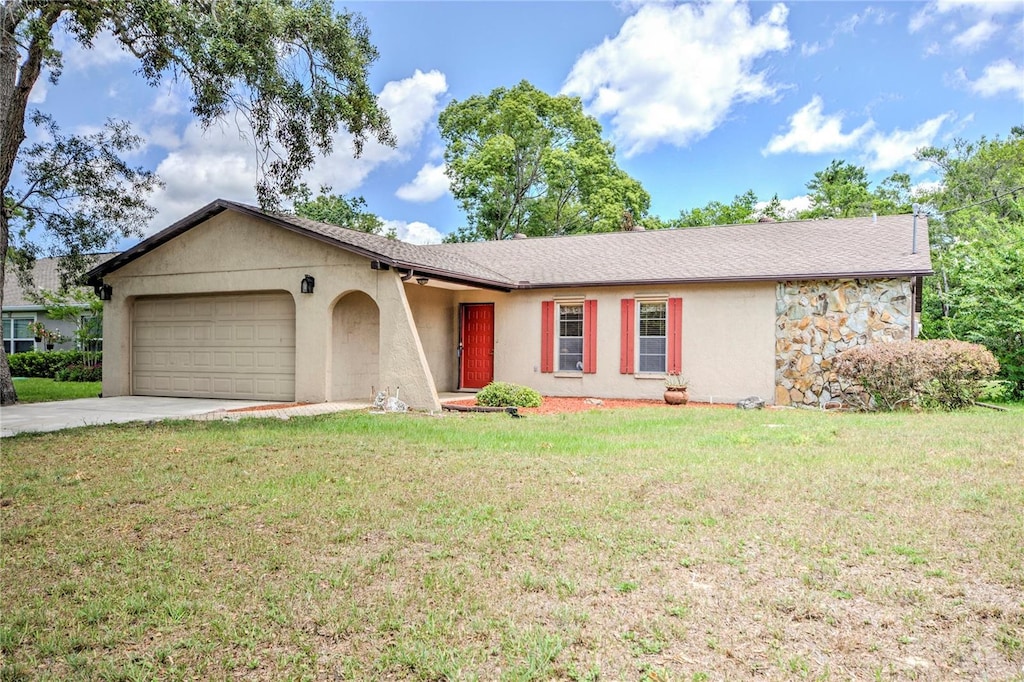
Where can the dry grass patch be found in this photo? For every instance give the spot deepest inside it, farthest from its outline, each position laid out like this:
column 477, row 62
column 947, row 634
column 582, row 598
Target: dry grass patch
column 653, row 544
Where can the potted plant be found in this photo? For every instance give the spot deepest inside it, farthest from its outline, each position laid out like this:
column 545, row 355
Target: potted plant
column 41, row 333
column 675, row 389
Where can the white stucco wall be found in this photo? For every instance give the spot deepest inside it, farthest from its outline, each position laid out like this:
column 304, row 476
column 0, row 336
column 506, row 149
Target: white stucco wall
column 233, row 253
column 728, row 341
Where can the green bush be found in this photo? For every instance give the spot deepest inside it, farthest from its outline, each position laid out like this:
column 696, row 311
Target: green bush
column 80, row 373
column 945, row 374
column 502, row 394
column 45, row 365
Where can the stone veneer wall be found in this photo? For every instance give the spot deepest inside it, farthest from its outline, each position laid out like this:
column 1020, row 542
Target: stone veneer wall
column 815, row 321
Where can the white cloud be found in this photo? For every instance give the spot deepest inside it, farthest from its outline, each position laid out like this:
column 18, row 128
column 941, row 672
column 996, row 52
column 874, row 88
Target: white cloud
column 790, row 207
column 222, row 162
column 414, row 232
column 163, row 136
column 429, row 184
column 812, row 132
column 673, row 73
column 810, row 49
column 105, row 50
column 998, row 77
column 40, row 89
column 888, row 151
column 976, row 36
column 869, row 15
column 977, row 8
column 170, row 100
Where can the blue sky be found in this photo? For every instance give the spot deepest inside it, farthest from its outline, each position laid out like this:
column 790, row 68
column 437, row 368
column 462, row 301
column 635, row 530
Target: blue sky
column 703, row 101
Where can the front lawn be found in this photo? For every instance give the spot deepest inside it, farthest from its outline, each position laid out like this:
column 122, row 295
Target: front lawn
column 632, row 544
column 46, row 390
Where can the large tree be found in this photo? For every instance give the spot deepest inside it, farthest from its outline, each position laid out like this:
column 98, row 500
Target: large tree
column 842, row 190
column 521, row 160
column 337, row 209
column 977, row 240
column 294, row 69
column 743, row 209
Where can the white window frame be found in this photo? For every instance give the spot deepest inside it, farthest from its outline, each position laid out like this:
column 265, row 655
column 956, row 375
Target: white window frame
column 640, row 336
column 578, row 366
column 10, row 340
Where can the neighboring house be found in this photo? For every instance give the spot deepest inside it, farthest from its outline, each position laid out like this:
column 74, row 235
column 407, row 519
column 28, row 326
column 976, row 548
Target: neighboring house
column 21, row 308
column 233, row 302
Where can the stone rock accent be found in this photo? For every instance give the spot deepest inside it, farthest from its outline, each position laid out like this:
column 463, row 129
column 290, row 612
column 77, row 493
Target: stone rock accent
column 751, row 403
column 815, row 321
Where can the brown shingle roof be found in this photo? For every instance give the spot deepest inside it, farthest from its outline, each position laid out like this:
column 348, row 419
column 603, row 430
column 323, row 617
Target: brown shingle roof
column 821, row 249
column 45, row 275
column 805, row 249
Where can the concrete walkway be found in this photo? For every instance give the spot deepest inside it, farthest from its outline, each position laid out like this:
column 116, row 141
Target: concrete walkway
column 66, row 414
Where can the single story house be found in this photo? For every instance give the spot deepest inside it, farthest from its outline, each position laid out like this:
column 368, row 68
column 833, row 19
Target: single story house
column 235, row 302
column 22, row 307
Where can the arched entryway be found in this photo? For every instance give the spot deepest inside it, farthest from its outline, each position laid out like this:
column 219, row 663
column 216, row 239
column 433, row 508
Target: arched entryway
column 355, row 348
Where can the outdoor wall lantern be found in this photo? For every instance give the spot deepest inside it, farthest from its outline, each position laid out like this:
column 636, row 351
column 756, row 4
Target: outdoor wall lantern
column 103, row 291
column 422, row 280
column 307, row 284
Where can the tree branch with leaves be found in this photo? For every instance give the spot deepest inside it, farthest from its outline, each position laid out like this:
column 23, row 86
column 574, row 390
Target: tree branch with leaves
column 294, row 70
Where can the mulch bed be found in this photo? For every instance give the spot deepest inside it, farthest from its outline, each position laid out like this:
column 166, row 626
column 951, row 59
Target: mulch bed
column 563, row 405
column 550, row 405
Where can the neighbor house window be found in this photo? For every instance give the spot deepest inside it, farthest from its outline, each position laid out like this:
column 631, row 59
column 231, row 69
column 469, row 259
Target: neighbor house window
column 570, row 337
column 17, row 337
column 93, row 331
column 651, row 337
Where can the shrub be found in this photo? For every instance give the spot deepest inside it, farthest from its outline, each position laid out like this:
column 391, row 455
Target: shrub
column 945, row 374
column 80, row 373
column 958, row 373
column 502, row 394
column 44, row 365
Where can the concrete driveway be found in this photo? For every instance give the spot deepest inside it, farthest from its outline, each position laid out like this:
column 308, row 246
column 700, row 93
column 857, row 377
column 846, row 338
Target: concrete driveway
column 66, row 414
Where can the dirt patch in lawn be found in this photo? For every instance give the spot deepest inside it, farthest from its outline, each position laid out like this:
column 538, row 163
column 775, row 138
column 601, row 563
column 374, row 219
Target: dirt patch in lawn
column 579, row 404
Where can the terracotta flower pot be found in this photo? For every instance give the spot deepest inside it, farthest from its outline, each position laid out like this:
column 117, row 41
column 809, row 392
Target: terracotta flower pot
column 676, row 396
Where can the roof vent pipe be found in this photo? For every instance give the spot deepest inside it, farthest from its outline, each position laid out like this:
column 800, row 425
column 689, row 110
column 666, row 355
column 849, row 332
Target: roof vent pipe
column 913, row 242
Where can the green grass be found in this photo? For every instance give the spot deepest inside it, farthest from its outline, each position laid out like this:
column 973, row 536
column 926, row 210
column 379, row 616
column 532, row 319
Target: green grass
column 653, row 544
column 46, row 390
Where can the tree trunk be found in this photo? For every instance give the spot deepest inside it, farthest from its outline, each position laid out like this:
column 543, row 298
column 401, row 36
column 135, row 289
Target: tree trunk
column 15, row 87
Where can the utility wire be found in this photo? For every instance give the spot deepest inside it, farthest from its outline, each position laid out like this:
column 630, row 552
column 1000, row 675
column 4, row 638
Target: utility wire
column 994, row 197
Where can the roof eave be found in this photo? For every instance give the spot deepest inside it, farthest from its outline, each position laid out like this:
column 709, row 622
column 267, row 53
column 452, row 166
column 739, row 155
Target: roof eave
column 726, row 280
column 213, row 208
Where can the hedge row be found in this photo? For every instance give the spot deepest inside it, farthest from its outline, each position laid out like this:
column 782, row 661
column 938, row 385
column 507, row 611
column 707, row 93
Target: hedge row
column 48, row 364
column 909, row 374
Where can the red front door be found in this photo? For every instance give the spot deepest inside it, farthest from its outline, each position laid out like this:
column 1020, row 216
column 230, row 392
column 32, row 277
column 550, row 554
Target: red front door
column 476, row 368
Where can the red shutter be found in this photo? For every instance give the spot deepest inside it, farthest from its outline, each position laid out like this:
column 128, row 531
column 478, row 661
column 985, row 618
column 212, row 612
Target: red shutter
column 628, row 334
column 675, row 335
column 547, row 336
column 590, row 336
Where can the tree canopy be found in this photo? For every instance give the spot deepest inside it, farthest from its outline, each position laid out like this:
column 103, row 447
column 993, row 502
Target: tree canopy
column 339, row 210
column 520, row 160
column 743, row 209
column 294, row 70
column 977, row 240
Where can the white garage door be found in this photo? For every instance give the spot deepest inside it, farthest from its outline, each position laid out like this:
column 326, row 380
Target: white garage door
column 226, row 346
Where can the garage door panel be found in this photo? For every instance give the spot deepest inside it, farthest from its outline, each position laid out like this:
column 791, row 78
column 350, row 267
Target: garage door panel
column 231, row 346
